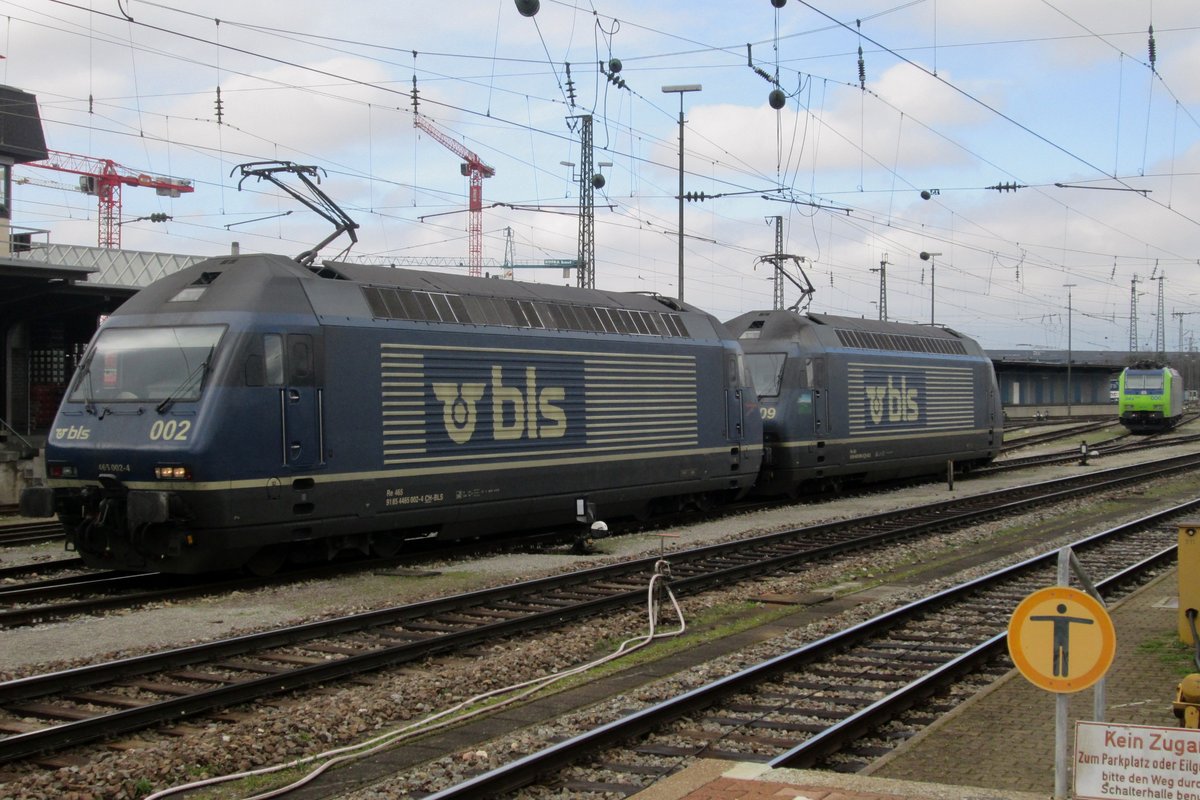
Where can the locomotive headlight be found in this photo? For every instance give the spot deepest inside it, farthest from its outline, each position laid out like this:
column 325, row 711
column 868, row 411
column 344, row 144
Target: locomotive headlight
column 61, row 471
column 173, row 473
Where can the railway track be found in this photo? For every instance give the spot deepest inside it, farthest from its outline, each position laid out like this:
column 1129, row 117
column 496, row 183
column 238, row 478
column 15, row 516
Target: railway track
column 82, row 590
column 1055, row 435
column 1121, row 444
column 837, row 703
column 23, row 533
column 94, row 592
column 50, row 712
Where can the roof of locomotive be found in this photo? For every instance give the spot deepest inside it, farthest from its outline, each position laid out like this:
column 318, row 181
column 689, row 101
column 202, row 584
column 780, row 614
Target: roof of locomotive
column 827, row 330
column 258, row 282
column 266, row 282
column 335, row 292
column 420, row 280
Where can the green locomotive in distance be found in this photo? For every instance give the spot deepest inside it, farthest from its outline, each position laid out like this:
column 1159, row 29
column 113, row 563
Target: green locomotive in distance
column 1150, row 398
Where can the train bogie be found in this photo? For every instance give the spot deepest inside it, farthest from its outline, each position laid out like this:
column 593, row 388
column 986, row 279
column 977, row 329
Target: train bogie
column 847, row 400
column 278, row 411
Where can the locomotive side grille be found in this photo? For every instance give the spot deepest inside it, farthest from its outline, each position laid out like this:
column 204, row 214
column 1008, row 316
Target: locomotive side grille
column 641, row 401
column 425, row 306
column 403, row 387
column 886, row 399
column 869, row 340
column 452, row 404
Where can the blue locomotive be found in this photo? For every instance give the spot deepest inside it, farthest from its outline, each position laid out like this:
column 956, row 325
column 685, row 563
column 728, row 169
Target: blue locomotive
column 250, row 409
column 849, row 400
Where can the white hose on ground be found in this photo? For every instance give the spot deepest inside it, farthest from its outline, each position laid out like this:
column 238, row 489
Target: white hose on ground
column 436, row 721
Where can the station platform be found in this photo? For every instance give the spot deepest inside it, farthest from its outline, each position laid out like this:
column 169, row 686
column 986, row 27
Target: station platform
column 997, row 745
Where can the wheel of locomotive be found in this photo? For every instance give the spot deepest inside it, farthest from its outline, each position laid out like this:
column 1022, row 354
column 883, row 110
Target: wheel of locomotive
column 90, row 537
column 386, row 545
column 267, row 561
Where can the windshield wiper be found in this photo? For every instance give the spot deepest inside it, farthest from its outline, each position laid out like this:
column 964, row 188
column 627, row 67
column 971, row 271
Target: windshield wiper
column 197, row 374
column 88, row 404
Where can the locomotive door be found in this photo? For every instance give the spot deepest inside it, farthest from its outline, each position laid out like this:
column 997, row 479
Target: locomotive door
column 815, row 369
column 300, row 406
column 735, row 409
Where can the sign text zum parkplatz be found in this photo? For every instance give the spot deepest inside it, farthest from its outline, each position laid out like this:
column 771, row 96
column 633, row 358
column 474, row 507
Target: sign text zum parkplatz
column 1114, row 762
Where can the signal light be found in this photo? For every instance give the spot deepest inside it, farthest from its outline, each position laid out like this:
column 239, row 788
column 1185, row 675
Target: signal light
column 173, row 473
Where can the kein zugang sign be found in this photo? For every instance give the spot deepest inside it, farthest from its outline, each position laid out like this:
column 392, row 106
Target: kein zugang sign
column 1119, row 761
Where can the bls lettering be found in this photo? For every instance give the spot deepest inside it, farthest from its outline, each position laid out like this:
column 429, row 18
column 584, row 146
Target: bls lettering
column 516, row 411
column 893, row 403
column 73, row 432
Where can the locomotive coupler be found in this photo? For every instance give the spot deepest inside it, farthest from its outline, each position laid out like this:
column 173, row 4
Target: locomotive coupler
column 584, row 541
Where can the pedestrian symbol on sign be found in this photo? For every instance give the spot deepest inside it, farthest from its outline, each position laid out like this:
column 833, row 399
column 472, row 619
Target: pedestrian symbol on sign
column 1061, row 639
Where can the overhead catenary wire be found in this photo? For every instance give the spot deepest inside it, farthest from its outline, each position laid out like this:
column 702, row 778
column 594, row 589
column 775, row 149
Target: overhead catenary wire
column 1002, row 243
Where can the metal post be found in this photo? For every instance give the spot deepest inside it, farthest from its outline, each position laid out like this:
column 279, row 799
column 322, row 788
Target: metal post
column 777, row 263
column 680, row 90
column 1068, row 287
column 1068, row 563
column 586, row 274
column 932, row 259
column 1061, row 699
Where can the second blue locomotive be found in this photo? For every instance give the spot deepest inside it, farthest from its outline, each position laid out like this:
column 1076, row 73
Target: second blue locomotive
column 848, row 400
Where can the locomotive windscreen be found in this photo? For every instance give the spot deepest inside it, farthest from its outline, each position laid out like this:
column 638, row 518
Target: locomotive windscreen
column 147, row 364
column 766, row 370
column 1144, row 381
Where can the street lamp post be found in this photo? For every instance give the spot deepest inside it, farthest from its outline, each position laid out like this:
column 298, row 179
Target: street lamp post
column 681, row 90
column 1068, row 287
column 932, row 259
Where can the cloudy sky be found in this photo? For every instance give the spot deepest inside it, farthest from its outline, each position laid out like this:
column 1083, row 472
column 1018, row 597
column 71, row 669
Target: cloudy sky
column 1094, row 147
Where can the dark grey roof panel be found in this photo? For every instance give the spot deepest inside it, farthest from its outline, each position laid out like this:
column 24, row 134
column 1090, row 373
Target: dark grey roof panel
column 21, row 136
column 494, row 287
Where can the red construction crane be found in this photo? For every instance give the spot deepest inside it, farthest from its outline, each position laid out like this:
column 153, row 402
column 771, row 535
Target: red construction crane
column 104, row 178
column 477, row 171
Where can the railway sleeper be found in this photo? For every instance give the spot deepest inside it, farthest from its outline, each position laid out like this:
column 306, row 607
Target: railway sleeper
column 602, row 787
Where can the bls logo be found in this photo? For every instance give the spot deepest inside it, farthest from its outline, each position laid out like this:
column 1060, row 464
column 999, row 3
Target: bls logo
column 515, row 413
column 458, row 408
column 74, row 432
column 893, row 403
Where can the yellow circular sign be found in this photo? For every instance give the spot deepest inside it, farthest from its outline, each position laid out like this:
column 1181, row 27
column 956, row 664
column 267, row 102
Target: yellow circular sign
column 1061, row 639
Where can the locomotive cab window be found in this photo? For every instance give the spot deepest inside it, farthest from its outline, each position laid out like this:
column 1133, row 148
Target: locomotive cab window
column 147, row 364
column 766, row 371
column 1146, row 381
column 264, row 360
column 300, row 359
